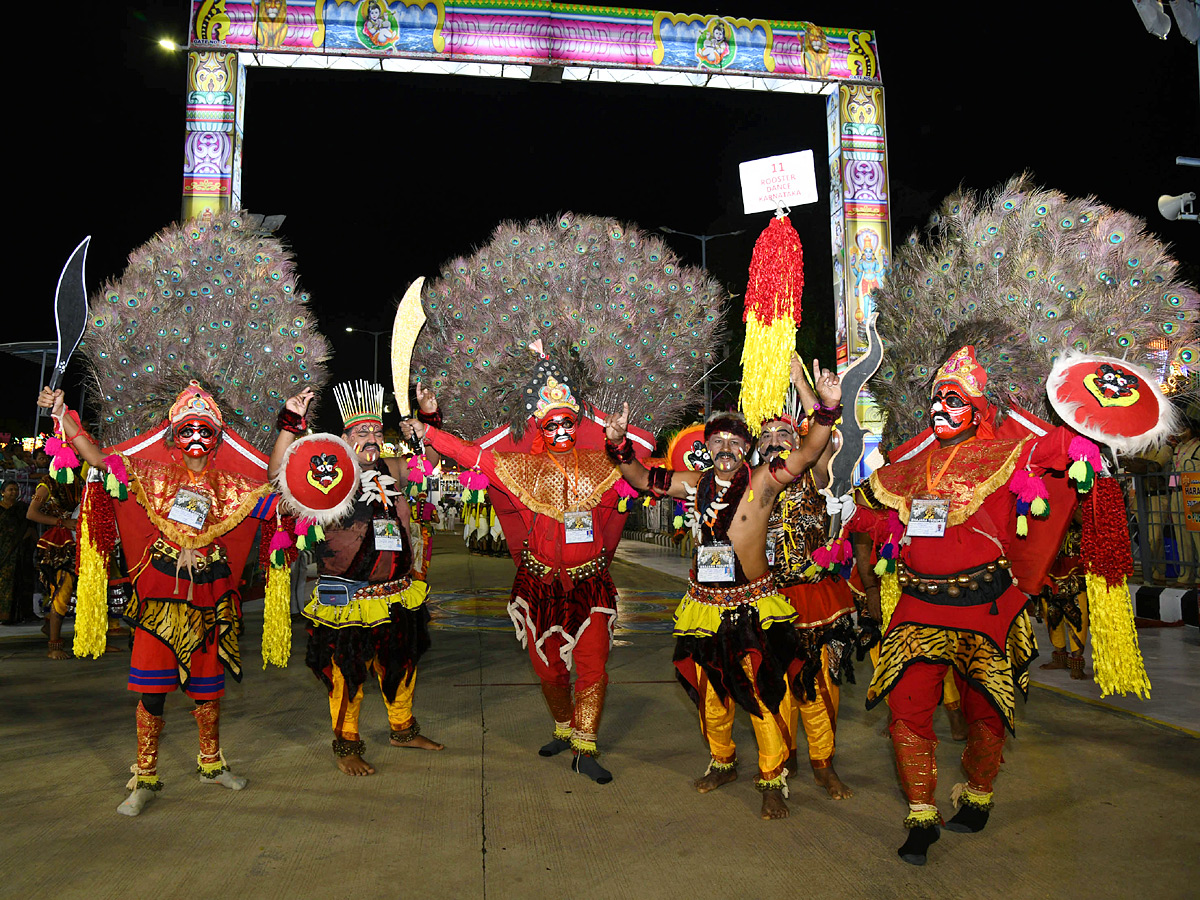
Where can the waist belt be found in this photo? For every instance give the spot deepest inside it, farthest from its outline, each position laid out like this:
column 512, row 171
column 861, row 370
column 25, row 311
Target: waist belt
column 735, row 595
column 335, row 591
column 202, row 558
column 540, row 569
column 971, row 587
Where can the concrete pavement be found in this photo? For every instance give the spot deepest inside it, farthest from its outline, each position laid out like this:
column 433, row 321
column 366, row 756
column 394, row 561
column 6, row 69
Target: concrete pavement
column 1090, row 803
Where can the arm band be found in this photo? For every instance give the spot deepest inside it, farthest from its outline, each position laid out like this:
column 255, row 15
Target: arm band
column 660, row 480
column 290, row 422
column 619, row 453
column 434, row 418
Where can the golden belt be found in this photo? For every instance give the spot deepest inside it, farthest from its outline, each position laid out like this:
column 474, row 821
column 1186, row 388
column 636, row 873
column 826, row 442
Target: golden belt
column 540, row 569
column 203, row 556
column 734, row 595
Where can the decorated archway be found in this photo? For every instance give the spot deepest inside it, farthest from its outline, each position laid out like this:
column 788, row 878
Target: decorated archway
column 558, row 42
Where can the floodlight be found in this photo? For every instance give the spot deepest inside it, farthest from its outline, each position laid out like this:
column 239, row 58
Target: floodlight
column 1157, row 22
column 1187, row 17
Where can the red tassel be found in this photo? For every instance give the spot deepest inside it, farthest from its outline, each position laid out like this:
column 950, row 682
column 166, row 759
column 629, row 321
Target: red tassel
column 1106, row 549
column 101, row 518
column 776, row 274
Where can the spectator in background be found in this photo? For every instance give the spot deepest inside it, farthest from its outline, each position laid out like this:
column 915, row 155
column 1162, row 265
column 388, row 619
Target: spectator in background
column 1185, row 458
column 16, row 557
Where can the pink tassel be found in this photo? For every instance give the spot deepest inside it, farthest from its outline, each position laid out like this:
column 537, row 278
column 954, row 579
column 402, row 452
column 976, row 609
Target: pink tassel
column 62, row 456
column 419, row 468
column 1027, row 486
column 1082, row 448
column 116, row 468
column 303, row 524
column 822, row 557
column 625, row 489
column 280, row 540
column 473, row 480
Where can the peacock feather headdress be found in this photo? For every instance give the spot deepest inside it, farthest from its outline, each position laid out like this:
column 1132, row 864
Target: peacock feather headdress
column 214, row 302
column 614, row 310
column 1025, row 274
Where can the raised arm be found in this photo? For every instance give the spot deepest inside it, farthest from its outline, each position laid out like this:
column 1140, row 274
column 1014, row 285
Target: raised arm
column 72, row 433
column 809, row 401
column 292, row 423
column 828, row 411
column 658, row 481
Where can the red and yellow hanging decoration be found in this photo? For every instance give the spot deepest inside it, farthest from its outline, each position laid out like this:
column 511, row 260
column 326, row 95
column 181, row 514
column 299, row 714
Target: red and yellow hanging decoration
column 772, row 316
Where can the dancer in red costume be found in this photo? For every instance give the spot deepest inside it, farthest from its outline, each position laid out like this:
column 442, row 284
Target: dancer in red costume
column 960, row 605
column 564, row 602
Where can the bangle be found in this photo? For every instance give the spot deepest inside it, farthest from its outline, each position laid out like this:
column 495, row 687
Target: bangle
column 827, row 415
column 434, row 418
column 619, row 453
column 291, row 422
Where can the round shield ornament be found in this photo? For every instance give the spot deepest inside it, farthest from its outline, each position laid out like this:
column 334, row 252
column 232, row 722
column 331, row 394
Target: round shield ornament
column 319, row 478
column 687, row 451
column 1110, row 401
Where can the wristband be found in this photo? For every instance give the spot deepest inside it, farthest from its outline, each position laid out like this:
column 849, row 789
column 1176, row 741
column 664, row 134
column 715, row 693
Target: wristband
column 827, row 415
column 619, row 453
column 291, row 422
column 434, row 418
column 659, row 481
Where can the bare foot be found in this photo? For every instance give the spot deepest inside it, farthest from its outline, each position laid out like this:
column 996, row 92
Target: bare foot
column 828, row 779
column 958, row 723
column 420, row 742
column 354, row 765
column 1054, row 664
column 58, row 650
column 714, row 779
column 773, row 806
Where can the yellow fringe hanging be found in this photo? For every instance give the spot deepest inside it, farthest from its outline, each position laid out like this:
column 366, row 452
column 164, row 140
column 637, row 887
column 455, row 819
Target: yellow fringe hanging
column 766, row 368
column 91, row 600
column 277, row 618
column 889, row 596
column 1116, row 656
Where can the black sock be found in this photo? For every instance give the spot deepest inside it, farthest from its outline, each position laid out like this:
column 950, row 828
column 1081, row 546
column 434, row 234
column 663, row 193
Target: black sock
column 587, row 765
column 968, row 820
column 916, row 848
column 555, row 747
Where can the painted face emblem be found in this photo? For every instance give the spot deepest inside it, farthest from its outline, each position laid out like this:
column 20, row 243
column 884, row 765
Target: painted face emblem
column 196, row 437
column 559, row 431
column 698, row 459
column 950, row 414
column 1113, row 386
column 324, row 473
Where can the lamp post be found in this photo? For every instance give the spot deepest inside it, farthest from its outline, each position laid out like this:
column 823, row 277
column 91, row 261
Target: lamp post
column 703, row 239
column 375, row 335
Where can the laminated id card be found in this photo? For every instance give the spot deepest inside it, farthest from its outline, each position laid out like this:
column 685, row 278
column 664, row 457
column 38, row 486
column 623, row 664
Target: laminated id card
column 927, row 517
column 578, row 526
column 771, row 540
column 189, row 508
column 387, row 534
column 714, row 562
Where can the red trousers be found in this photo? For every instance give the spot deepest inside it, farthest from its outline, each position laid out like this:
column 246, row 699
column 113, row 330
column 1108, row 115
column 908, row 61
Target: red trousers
column 918, row 692
column 590, row 655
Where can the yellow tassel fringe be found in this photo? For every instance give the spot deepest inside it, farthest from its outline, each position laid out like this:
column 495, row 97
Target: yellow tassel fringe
column 766, row 369
column 91, row 602
column 277, row 618
column 1116, row 656
column 889, row 596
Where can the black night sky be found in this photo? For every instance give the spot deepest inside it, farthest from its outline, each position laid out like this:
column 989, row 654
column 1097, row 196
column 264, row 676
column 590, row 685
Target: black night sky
column 383, row 177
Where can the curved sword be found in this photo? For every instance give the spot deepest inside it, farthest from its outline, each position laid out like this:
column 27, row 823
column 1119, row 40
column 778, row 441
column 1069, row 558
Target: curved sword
column 847, row 457
column 70, row 310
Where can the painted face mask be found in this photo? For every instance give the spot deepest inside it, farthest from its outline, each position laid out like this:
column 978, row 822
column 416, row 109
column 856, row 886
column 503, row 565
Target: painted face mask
column 950, row 413
column 558, row 431
column 196, row 437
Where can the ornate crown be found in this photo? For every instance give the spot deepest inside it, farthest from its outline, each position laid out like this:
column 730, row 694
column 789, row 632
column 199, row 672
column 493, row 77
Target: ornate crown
column 962, row 369
column 195, row 402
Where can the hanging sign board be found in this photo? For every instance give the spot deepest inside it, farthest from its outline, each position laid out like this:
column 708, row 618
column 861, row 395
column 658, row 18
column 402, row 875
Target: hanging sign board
column 778, row 181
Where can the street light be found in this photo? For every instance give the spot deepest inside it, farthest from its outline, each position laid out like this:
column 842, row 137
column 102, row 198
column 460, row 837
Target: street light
column 375, row 335
column 703, row 239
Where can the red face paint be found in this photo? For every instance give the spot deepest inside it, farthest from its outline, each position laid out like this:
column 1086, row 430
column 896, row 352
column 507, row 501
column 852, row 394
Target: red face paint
column 558, row 431
column 950, row 413
column 196, row 437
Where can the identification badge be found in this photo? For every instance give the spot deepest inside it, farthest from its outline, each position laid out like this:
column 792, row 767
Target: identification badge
column 578, row 526
column 418, row 538
column 387, row 534
column 714, row 562
column 927, row 517
column 771, row 539
column 189, row 508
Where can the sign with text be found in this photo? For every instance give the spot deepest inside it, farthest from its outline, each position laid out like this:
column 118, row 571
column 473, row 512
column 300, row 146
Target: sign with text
column 1190, row 482
column 778, row 181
